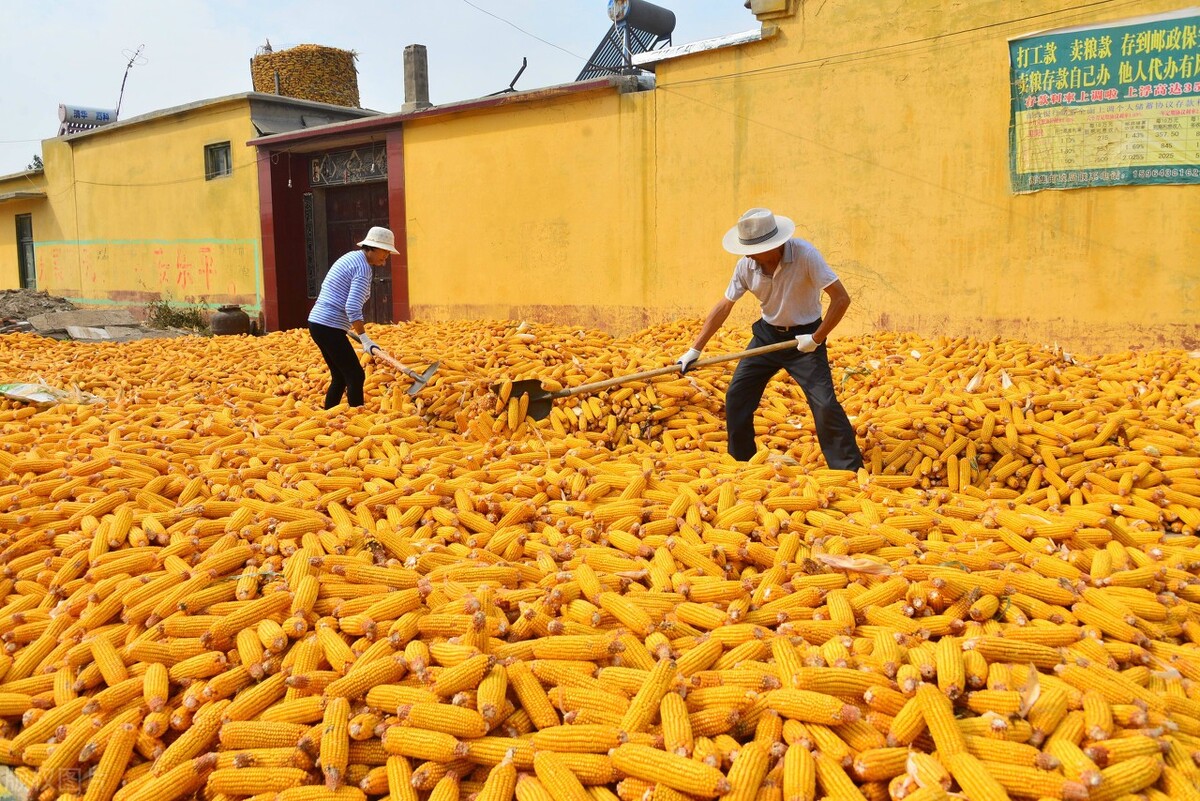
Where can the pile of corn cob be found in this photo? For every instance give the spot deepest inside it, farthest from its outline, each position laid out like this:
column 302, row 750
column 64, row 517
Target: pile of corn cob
column 309, row 72
column 211, row 587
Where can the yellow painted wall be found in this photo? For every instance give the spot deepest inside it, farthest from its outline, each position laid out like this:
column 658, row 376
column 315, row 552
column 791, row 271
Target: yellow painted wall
column 533, row 212
column 137, row 220
column 37, row 208
column 882, row 128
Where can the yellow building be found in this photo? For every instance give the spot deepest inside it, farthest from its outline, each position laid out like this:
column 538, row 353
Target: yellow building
column 163, row 206
column 890, row 135
column 885, row 133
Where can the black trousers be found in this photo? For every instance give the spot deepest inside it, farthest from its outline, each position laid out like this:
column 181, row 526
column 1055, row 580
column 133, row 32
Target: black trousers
column 346, row 375
column 811, row 372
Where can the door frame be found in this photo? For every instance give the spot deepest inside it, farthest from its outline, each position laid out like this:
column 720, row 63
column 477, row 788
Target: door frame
column 26, row 259
column 281, row 219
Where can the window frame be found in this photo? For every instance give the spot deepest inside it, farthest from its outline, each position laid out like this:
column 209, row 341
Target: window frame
column 214, row 155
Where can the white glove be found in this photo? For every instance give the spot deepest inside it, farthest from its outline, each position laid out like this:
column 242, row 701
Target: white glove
column 368, row 345
column 806, row 344
column 685, row 361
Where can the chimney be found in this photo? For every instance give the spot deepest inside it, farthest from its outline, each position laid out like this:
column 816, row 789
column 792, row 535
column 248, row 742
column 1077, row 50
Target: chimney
column 416, row 78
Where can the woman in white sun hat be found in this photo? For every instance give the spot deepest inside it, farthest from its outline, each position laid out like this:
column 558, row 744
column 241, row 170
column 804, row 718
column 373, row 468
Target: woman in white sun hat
column 787, row 276
column 338, row 309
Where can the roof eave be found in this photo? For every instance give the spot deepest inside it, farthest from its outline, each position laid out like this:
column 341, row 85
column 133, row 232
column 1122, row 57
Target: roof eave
column 247, row 97
column 19, row 195
column 365, row 127
column 648, row 59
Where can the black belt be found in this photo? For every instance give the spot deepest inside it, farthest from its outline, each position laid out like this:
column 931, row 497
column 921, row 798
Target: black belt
column 789, row 329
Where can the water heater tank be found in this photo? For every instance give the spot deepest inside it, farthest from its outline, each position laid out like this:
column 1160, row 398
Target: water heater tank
column 643, row 16
column 86, row 116
column 77, row 119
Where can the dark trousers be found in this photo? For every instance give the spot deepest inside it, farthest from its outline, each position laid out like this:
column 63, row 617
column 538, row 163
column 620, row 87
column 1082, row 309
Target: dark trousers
column 346, row 375
column 811, row 372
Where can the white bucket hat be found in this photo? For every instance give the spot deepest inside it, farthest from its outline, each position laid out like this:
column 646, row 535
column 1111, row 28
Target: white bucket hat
column 380, row 237
column 757, row 231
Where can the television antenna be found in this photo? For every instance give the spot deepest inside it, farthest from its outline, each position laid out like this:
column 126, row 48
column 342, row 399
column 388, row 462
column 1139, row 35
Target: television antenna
column 512, row 84
column 135, row 57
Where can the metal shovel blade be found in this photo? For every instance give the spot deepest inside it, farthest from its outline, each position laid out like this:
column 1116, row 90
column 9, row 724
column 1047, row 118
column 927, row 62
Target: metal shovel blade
column 421, row 379
column 540, row 401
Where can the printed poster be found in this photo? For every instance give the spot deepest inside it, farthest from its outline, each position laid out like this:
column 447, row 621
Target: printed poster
column 1107, row 105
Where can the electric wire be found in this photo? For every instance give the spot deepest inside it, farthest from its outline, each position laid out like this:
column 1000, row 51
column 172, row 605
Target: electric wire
column 897, row 48
column 522, row 30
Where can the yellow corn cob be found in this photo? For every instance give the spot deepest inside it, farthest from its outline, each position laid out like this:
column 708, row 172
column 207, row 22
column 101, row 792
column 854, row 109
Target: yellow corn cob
column 1110, row 752
column 557, row 778
column 1002, row 702
column 809, row 706
column 423, row 744
column 647, row 700
column 252, row 780
column 400, row 780
column 747, row 773
column 951, row 669
column 109, row 770
column 590, row 769
column 307, row 709
column 1031, row 782
column 939, row 718
column 501, row 782
column 529, row 788
column 833, row 779
column 532, row 696
column 578, row 738
column 179, row 782
column 112, row 666
column 335, row 741
column 366, row 674
column 464, row 676
column 1127, row 777
column 972, row 776
column 799, row 774
column 880, row 764
column 679, row 773
column 447, row 789
column 1097, row 716
column 312, row 793
column 492, row 691
column 448, row 718
column 195, row 741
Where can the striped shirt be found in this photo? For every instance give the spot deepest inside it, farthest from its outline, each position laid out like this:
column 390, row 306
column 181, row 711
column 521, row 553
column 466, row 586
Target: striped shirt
column 345, row 289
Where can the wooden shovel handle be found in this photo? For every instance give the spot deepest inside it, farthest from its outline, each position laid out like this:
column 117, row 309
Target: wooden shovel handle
column 674, row 368
column 383, row 355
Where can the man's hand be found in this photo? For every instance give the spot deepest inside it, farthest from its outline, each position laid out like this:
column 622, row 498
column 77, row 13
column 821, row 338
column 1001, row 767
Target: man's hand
column 368, row 345
column 806, row 344
column 686, row 360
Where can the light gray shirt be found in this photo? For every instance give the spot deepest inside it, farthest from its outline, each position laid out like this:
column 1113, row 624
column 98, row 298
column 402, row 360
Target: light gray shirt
column 792, row 296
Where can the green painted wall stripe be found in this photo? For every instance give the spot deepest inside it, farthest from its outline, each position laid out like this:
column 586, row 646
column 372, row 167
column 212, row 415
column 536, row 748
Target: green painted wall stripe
column 77, row 242
column 257, row 307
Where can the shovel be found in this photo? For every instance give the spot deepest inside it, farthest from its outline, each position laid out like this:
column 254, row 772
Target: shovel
column 419, row 379
column 540, row 400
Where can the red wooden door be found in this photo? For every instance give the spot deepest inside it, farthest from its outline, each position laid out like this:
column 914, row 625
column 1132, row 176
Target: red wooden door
column 349, row 212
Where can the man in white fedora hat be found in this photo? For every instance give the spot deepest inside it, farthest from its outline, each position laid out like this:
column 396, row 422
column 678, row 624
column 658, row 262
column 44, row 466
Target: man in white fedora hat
column 787, row 276
column 339, row 309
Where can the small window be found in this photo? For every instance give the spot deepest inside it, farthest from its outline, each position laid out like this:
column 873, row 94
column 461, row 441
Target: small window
column 217, row 161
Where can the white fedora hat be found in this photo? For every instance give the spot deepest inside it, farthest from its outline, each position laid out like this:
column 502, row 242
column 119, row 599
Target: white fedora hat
column 380, row 237
column 757, row 231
